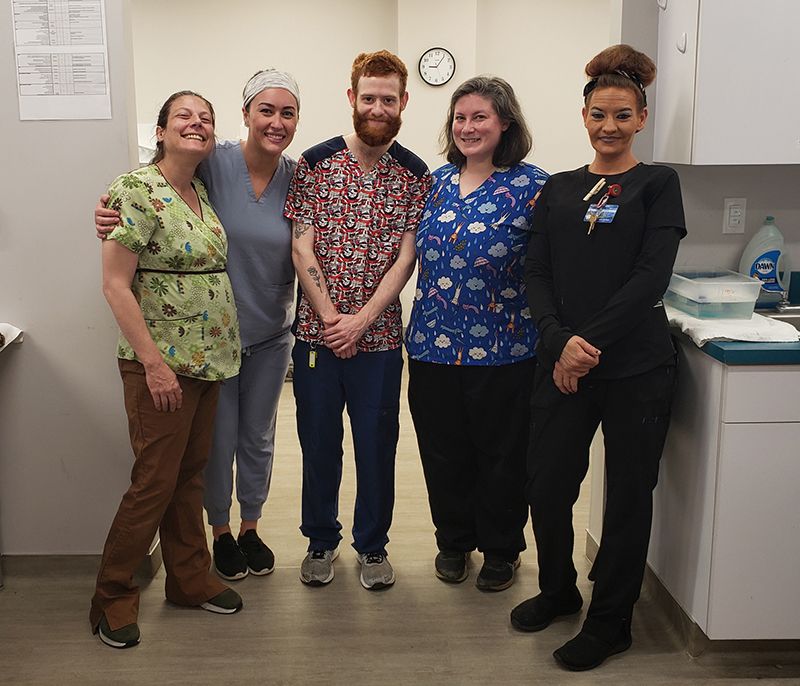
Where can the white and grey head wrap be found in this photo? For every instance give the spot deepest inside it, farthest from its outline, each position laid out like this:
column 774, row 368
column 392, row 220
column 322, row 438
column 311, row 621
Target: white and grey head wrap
column 269, row 78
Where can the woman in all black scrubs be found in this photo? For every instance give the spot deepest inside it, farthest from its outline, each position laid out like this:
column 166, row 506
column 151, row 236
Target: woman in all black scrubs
column 600, row 257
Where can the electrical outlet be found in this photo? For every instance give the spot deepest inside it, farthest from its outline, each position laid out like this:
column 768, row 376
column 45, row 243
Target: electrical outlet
column 733, row 215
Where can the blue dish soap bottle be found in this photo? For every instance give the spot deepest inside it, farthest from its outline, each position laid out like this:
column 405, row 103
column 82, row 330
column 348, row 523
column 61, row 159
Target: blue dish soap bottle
column 766, row 259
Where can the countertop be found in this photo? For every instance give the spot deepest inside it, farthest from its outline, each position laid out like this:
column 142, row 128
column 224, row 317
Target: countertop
column 747, row 353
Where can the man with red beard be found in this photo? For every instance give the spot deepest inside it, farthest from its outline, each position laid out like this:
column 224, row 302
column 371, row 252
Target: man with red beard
column 355, row 202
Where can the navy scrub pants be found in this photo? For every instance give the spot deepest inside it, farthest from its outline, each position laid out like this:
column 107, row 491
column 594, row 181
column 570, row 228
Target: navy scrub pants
column 634, row 413
column 368, row 385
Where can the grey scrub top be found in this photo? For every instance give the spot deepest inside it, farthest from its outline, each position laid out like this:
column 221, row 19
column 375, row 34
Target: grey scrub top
column 259, row 241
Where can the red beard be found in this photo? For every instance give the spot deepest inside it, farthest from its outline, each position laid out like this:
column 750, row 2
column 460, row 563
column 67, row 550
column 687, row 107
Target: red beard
column 375, row 133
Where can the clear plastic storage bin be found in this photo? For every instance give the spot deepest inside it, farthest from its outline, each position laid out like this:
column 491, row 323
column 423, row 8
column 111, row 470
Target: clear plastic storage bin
column 712, row 293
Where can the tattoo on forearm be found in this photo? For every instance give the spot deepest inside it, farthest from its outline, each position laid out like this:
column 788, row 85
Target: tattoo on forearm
column 300, row 230
column 314, row 274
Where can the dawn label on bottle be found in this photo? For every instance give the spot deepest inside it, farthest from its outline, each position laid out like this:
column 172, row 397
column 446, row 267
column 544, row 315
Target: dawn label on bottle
column 765, row 268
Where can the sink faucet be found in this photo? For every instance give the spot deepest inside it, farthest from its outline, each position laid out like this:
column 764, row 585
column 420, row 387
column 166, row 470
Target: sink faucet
column 784, row 305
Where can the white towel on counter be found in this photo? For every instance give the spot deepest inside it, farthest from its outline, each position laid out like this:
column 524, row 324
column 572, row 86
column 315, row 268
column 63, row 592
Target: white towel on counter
column 758, row 328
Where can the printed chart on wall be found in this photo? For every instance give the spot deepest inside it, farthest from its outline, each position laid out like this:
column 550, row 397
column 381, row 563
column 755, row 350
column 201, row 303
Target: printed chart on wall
column 61, row 59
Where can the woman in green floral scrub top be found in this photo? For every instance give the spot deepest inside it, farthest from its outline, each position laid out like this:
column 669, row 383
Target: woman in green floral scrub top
column 164, row 279
column 180, row 284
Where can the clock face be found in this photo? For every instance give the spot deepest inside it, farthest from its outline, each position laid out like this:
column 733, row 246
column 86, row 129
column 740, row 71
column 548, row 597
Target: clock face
column 437, row 66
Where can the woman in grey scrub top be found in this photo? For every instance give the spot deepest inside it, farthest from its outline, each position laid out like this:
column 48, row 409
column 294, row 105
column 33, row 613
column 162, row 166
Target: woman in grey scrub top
column 247, row 183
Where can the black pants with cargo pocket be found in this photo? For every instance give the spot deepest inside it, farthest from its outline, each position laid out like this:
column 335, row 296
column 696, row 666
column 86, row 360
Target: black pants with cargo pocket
column 634, row 413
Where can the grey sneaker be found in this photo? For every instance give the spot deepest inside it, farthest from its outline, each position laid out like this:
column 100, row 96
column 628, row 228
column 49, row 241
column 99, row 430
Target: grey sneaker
column 317, row 567
column 376, row 571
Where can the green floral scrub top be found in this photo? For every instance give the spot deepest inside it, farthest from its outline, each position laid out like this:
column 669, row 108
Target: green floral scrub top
column 180, row 282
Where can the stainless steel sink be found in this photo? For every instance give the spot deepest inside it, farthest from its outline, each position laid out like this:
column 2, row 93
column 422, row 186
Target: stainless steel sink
column 793, row 316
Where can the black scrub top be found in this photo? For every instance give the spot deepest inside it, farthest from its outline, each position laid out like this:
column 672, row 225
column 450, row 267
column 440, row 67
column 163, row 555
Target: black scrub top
column 605, row 286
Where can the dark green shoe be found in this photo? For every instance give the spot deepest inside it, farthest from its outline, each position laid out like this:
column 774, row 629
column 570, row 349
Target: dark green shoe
column 124, row 637
column 225, row 603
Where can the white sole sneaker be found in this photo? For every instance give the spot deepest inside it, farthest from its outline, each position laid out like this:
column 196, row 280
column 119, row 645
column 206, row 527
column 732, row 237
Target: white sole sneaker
column 116, row 644
column 220, row 610
column 235, row 577
column 327, row 579
column 374, row 585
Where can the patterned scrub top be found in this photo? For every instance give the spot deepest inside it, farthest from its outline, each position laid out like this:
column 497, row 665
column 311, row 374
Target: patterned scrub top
column 180, row 282
column 359, row 218
column 470, row 306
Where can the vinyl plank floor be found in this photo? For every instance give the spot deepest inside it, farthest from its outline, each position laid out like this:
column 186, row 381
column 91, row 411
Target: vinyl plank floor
column 421, row 631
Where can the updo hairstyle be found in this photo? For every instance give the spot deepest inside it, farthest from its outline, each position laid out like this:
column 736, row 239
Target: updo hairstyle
column 620, row 66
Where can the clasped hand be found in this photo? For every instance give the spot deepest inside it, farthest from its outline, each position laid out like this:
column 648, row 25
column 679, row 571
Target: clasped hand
column 577, row 358
column 342, row 332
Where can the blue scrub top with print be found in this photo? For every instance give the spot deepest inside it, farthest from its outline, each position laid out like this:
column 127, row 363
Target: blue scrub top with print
column 470, row 306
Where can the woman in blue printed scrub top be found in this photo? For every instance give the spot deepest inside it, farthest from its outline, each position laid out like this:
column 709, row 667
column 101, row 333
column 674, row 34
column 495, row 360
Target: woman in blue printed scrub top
column 471, row 340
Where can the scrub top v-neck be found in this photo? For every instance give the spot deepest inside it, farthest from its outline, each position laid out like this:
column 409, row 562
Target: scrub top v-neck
column 259, row 241
column 470, row 306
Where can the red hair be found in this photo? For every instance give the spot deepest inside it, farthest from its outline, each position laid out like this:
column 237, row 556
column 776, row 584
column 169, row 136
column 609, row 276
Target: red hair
column 381, row 63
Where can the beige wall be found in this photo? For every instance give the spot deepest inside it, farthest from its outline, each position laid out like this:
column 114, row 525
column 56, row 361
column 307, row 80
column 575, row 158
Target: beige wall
column 64, row 456
column 196, row 44
column 516, row 39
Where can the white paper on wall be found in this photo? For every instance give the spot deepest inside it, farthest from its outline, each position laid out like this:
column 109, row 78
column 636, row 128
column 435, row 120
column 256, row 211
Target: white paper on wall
column 61, row 59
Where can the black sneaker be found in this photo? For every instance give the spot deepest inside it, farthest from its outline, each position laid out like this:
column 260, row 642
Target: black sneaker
column 451, row 566
column 260, row 559
column 229, row 560
column 587, row 651
column 535, row 614
column 496, row 574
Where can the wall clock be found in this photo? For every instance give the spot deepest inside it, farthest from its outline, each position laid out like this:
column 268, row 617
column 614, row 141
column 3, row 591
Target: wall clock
column 437, row 66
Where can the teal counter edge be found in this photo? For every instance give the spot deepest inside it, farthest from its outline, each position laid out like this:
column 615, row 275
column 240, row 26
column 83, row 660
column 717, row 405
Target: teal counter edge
column 749, row 353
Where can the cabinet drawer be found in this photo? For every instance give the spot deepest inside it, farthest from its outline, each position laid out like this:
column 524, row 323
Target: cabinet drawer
column 761, row 394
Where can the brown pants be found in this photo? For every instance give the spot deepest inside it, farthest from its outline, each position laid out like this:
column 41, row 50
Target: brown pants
column 166, row 494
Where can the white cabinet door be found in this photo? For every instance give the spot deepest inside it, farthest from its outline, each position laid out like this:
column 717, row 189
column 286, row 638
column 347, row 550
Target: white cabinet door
column 755, row 562
column 677, row 53
column 730, row 97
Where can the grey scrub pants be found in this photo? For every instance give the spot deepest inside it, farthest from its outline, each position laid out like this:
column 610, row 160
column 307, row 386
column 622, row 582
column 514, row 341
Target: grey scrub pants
column 245, row 429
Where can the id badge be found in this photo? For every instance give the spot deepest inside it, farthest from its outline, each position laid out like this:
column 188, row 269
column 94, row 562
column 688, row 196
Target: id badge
column 603, row 215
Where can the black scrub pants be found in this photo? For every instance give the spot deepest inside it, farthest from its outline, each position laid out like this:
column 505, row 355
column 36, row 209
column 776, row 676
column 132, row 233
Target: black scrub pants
column 472, row 430
column 634, row 413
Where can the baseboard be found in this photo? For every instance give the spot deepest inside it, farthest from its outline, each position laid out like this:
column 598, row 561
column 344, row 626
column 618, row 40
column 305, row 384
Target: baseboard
column 43, row 565
column 692, row 636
